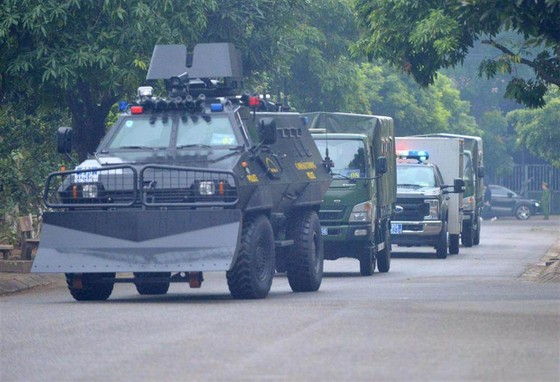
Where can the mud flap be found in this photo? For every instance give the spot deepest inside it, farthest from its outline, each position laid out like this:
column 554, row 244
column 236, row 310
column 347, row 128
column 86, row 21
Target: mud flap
column 138, row 241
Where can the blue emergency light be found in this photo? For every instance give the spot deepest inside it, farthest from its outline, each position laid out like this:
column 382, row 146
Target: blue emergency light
column 217, row 107
column 419, row 155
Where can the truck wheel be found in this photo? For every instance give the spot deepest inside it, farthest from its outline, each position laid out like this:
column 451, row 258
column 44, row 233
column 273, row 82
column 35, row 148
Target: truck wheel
column 90, row 286
column 476, row 238
column 305, row 263
column 441, row 246
column 523, row 212
column 384, row 256
column 454, row 244
column 251, row 276
column 367, row 261
column 152, row 287
column 467, row 235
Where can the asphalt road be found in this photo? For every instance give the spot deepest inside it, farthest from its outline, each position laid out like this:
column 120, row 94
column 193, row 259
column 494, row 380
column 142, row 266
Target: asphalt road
column 470, row 317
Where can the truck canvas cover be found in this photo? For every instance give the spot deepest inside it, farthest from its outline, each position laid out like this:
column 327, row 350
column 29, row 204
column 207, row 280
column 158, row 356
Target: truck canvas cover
column 379, row 130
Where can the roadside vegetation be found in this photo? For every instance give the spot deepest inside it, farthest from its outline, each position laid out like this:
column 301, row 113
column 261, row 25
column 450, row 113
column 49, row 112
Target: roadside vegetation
column 67, row 63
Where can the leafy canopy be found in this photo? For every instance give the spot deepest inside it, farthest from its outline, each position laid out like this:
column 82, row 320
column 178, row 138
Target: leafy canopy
column 421, row 37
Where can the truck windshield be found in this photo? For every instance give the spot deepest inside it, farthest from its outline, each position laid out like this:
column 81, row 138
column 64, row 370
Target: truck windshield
column 420, row 176
column 139, row 133
column 348, row 156
column 205, row 132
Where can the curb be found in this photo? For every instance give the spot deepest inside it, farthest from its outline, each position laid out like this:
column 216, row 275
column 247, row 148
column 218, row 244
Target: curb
column 548, row 269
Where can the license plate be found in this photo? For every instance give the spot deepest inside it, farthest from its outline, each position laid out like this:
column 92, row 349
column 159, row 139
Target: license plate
column 324, row 231
column 396, row 229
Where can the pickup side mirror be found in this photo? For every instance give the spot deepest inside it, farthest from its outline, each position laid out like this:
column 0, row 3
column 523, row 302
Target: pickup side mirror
column 458, row 185
column 267, row 131
column 381, row 165
column 480, row 171
column 64, row 140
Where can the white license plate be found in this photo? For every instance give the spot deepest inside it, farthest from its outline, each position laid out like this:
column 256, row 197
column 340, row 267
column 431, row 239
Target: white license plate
column 396, row 229
column 324, row 231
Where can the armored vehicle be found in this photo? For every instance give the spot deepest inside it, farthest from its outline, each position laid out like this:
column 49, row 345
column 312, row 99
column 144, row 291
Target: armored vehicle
column 201, row 180
column 358, row 207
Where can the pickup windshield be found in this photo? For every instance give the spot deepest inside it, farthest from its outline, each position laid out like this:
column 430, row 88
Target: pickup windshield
column 348, row 156
column 419, row 176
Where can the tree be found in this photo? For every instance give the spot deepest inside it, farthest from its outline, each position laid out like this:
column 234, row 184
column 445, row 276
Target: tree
column 85, row 55
column 421, row 37
column 538, row 131
column 499, row 144
column 417, row 110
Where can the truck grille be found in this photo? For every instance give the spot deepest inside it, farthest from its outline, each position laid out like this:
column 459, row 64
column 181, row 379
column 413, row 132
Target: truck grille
column 413, row 209
column 331, row 214
column 151, row 186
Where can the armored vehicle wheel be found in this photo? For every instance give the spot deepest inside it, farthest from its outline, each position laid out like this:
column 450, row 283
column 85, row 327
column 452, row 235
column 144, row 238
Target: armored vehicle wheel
column 152, row 287
column 90, row 286
column 441, row 246
column 305, row 263
column 467, row 234
column 453, row 244
column 384, row 256
column 367, row 261
column 251, row 276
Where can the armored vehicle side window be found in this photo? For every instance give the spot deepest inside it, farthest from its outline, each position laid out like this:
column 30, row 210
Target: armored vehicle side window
column 208, row 131
column 140, row 133
column 422, row 176
column 348, row 156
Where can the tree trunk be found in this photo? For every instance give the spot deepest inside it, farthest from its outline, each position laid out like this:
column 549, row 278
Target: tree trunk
column 88, row 119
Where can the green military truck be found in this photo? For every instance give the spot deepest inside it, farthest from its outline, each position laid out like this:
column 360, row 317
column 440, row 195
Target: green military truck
column 356, row 211
column 473, row 198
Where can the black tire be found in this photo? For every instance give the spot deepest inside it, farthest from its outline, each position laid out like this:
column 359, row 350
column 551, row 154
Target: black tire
column 467, row 234
column 251, row 276
column 152, row 287
column 384, row 256
column 94, row 286
column 454, row 244
column 305, row 263
column 441, row 246
column 523, row 212
column 476, row 238
column 367, row 261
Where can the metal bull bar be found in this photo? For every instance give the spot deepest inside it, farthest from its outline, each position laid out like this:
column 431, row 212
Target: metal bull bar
column 114, row 220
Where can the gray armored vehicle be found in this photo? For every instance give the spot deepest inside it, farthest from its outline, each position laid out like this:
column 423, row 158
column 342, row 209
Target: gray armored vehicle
column 201, row 180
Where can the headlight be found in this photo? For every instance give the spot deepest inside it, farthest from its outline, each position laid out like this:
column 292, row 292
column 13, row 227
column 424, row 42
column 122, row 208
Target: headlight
column 89, row 191
column 468, row 203
column 206, row 188
column 362, row 213
column 433, row 209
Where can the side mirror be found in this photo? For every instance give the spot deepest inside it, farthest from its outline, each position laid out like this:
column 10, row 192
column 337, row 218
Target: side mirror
column 381, row 165
column 64, row 140
column 510, row 194
column 267, row 131
column 458, row 185
column 480, row 172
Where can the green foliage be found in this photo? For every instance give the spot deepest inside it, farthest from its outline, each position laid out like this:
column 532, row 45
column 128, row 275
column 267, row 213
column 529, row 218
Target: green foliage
column 499, row 144
column 27, row 156
column 538, row 130
column 84, row 55
column 422, row 37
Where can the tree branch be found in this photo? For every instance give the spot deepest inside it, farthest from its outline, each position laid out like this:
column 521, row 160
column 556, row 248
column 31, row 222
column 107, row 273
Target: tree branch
column 539, row 70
